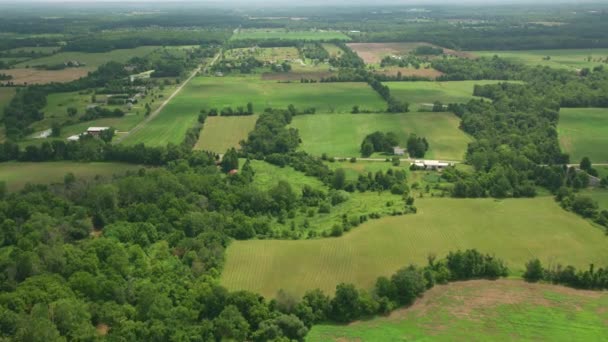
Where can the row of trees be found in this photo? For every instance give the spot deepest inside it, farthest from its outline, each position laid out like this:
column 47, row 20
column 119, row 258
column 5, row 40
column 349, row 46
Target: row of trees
column 378, row 142
column 569, row 275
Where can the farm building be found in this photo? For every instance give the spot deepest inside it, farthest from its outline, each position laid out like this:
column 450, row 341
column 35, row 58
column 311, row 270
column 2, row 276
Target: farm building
column 398, row 151
column 96, row 130
column 74, row 137
column 431, row 164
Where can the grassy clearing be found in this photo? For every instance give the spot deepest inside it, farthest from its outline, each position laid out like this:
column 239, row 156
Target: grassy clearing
column 303, row 223
column 91, row 60
column 583, row 132
column 18, row 174
column 515, row 230
column 372, row 53
column 6, row 94
column 341, row 135
column 484, row 310
column 599, row 195
column 221, row 133
column 273, row 33
column 332, row 49
column 421, row 95
column 574, row 59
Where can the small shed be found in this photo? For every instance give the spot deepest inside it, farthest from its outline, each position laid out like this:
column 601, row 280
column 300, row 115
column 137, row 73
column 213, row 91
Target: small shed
column 398, row 151
column 74, row 137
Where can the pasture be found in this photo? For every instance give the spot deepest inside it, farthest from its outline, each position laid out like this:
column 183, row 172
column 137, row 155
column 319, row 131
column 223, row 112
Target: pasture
column 340, row 135
column 409, row 71
column 277, row 33
column 583, row 132
column 89, row 59
column 223, row 132
column 515, row 230
column 421, row 95
column 483, row 310
column 332, row 49
column 18, row 174
column 574, row 59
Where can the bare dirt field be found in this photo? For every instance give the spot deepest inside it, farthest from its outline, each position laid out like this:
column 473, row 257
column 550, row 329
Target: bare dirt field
column 35, row 76
column 422, row 72
column 295, row 76
column 372, row 53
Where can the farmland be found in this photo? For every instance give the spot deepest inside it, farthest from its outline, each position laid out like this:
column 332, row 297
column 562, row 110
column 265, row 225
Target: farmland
column 421, row 95
column 583, row 132
column 573, row 59
column 18, row 174
column 274, row 54
column 269, row 33
column 341, row 134
column 6, row 94
column 372, row 53
column 221, row 133
column 485, row 310
column 220, row 92
column 515, row 230
column 38, row 76
column 90, row 60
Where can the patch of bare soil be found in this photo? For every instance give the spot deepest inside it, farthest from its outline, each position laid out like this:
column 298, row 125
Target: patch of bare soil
column 422, row 72
column 372, row 53
column 35, row 76
column 102, row 329
column 464, row 299
column 295, row 76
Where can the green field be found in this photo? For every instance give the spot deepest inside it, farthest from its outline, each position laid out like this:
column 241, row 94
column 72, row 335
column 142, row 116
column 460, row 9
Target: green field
column 18, row 174
column 272, row 33
column 358, row 204
column 566, row 59
column 515, row 230
column 599, row 195
column 221, row 133
column 482, row 310
column 91, row 60
column 272, row 54
column 220, row 92
column 341, row 135
column 6, row 94
column 332, row 49
column 583, row 132
column 421, row 95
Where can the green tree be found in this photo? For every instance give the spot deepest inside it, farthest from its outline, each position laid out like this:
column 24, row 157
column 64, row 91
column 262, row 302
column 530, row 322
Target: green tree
column 339, row 179
column 231, row 325
column 534, row 271
column 230, row 161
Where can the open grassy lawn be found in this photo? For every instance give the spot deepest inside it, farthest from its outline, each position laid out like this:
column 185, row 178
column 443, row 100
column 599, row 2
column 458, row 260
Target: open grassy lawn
column 583, row 132
column 6, row 94
column 483, row 310
column 423, row 94
column 599, row 195
column 341, row 135
column 268, row 175
column 276, row 33
column 332, row 49
column 515, row 230
column 566, row 59
column 221, row 133
column 18, row 174
column 91, row 60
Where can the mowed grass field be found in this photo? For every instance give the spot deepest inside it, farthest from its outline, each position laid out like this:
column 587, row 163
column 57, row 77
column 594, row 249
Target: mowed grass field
column 340, row 135
column 274, row 33
column 515, row 230
column 220, row 92
column 221, row 133
column 583, row 132
column 483, row 310
column 421, row 95
column 18, row 174
column 574, row 59
column 92, row 60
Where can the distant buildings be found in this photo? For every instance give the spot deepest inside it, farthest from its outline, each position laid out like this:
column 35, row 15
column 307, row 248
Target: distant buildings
column 431, row 164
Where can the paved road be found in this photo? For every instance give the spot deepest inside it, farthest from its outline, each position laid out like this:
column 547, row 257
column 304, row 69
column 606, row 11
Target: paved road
column 162, row 106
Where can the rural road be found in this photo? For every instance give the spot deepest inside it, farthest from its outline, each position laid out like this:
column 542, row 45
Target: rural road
column 162, row 106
